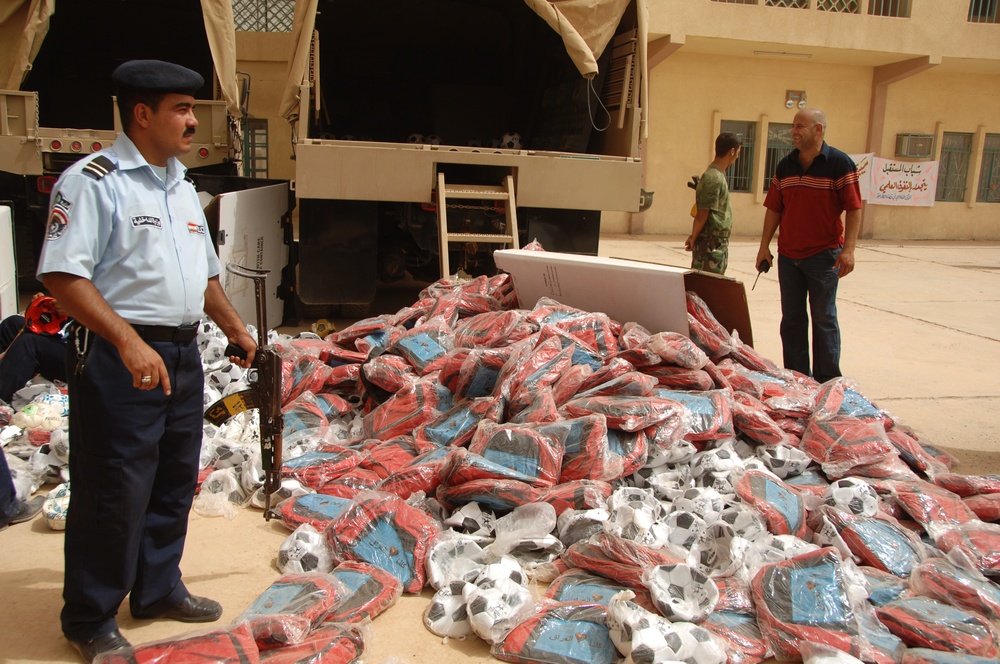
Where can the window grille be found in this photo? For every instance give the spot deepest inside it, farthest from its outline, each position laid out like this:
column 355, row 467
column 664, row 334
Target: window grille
column 984, row 11
column 840, row 6
column 794, row 4
column 739, row 176
column 897, row 8
column 953, row 170
column 779, row 143
column 264, row 15
column 989, row 177
column 255, row 154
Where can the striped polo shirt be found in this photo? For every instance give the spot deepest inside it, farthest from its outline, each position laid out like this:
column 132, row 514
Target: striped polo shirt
column 811, row 202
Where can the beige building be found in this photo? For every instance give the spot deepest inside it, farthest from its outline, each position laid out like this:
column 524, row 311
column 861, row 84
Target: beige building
column 879, row 68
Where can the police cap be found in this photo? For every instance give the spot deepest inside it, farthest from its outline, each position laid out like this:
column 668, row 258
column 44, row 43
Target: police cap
column 157, row 76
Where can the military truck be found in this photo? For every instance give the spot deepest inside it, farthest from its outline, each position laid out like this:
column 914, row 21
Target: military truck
column 426, row 134
column 430, row 133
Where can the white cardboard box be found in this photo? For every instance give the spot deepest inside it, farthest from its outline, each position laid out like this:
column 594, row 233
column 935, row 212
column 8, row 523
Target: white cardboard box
column 650, row 294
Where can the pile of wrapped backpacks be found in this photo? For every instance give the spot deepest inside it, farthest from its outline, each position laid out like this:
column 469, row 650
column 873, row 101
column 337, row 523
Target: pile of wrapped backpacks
column 570, row 488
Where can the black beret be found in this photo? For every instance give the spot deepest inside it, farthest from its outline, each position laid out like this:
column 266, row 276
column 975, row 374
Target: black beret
column 158, row 76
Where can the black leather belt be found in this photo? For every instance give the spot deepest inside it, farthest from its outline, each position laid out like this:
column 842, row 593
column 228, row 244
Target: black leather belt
column 181, row 334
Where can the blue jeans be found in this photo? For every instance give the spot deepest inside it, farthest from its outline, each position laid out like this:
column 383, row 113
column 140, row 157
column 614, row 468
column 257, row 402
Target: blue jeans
column 816, row 279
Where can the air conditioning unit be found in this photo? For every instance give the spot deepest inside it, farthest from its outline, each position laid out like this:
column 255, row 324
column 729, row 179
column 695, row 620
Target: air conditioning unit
column 917, row 146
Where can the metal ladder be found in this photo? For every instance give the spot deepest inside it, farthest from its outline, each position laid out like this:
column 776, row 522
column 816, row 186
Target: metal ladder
column 504, row 192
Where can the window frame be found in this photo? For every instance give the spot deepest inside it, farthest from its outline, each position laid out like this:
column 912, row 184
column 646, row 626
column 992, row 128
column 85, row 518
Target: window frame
column 953, row 167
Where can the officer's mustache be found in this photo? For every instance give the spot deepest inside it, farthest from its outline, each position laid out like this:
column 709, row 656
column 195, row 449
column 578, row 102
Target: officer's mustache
column 189, row 132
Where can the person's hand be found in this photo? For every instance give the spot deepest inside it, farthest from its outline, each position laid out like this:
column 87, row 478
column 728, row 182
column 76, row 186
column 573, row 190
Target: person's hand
column 245, row 341
column 689, row 243
column 763, row 254
column 146, row 366
column 844, row 264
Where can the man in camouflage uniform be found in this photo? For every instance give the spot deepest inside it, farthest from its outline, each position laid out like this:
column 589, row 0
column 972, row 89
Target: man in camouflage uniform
column 713, row 221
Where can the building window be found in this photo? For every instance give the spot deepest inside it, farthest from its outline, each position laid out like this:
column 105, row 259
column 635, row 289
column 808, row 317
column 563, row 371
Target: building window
column 255, row 153
column 989, row 176
column 739, row 176
column 841, row 6
column 897, row 8
column 794, row 4
column 779, row 143
column 264, row 15
column 953, row 171
column 984, row 11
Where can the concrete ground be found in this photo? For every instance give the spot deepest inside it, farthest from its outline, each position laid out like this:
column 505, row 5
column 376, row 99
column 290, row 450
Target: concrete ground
column 919, row 323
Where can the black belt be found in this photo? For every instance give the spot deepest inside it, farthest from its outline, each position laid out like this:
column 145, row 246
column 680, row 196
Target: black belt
column 181, row 334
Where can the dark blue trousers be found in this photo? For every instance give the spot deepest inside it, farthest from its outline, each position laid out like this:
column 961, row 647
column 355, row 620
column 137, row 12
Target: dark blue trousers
column 133, row 469
column 815, row 280
column 8, row 494
column 28, row 354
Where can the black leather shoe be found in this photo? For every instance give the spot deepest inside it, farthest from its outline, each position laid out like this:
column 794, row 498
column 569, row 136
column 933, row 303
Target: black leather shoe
column 91, row 649
column 192, row 609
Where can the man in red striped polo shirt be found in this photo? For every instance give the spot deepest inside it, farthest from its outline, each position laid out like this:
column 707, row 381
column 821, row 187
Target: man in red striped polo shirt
column 813, row 186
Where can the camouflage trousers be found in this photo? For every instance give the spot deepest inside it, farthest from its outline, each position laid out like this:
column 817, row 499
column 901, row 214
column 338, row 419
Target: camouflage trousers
column 710, row 254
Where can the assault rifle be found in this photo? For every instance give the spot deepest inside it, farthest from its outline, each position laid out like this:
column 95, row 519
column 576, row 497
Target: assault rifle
column 264, row 393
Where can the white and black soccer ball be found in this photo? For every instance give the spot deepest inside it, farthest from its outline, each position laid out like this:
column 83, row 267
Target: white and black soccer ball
column 670, row 482
column 721, row 551
column 56, row 506
column 681, row 592
column 854, row 495
column 432, row 139
column 706, row 502
column 680, row 452
column 415, row 139
column 718, row 461
column 305, row 550
column 783, row 460
column 510, row 141
column 447, row 615
column 576, row 525
column 496, row 607
column 699, row 645
column 506, row 568
column 454, row 559
column 224, row 376
column 653, row 640
column 471, row 519
column 746, row 522
column 684, row 528
column 231, row 455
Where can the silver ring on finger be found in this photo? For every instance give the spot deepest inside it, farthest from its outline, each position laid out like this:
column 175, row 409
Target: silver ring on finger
column 147, row 379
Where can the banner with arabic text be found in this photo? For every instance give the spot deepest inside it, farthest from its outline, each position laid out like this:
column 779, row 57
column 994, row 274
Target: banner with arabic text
column 864, row 164
column 903, row 182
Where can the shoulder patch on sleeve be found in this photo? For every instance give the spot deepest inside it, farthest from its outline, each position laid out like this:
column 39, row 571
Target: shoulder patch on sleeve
column 99, row 166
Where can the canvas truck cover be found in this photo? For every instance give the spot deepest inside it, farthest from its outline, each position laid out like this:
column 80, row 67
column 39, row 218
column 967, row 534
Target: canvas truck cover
column 586, row 28
column 24, row 24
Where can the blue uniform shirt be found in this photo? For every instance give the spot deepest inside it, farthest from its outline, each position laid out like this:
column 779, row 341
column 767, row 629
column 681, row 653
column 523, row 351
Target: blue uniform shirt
column 144, row 244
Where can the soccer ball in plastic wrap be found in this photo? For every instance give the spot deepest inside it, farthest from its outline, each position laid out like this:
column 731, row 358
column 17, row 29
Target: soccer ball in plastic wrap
column 721, row 550
column 718, row 461
column 854, row 495
column 289, row 488
column 39, row 416
column 305, row 550
column 699, row 645
column 496, row 607
column 225, row 376
column 46, row 464
column 453, row 559
column 511, row 141
column 669, row 482
column 684, row 528
column 231, row 455
column 746, row 522
column 783, row 460
column 681, row 592
column 447, row 615
column 506, row 568
column 706, row 502
column 55, row 507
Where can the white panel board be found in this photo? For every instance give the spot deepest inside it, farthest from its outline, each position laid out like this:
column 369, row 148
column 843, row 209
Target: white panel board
column 251, row 236
column 648, row 294
column 8, row 268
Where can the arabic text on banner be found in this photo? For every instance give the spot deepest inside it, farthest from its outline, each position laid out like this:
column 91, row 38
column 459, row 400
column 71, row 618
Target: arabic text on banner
column 864, row 164
column 903, row 182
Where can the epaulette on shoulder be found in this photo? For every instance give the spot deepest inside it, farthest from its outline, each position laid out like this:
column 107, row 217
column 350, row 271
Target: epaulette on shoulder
column 99, row 166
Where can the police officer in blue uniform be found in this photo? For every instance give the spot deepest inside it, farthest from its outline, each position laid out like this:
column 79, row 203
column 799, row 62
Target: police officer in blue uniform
column 129, row 256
